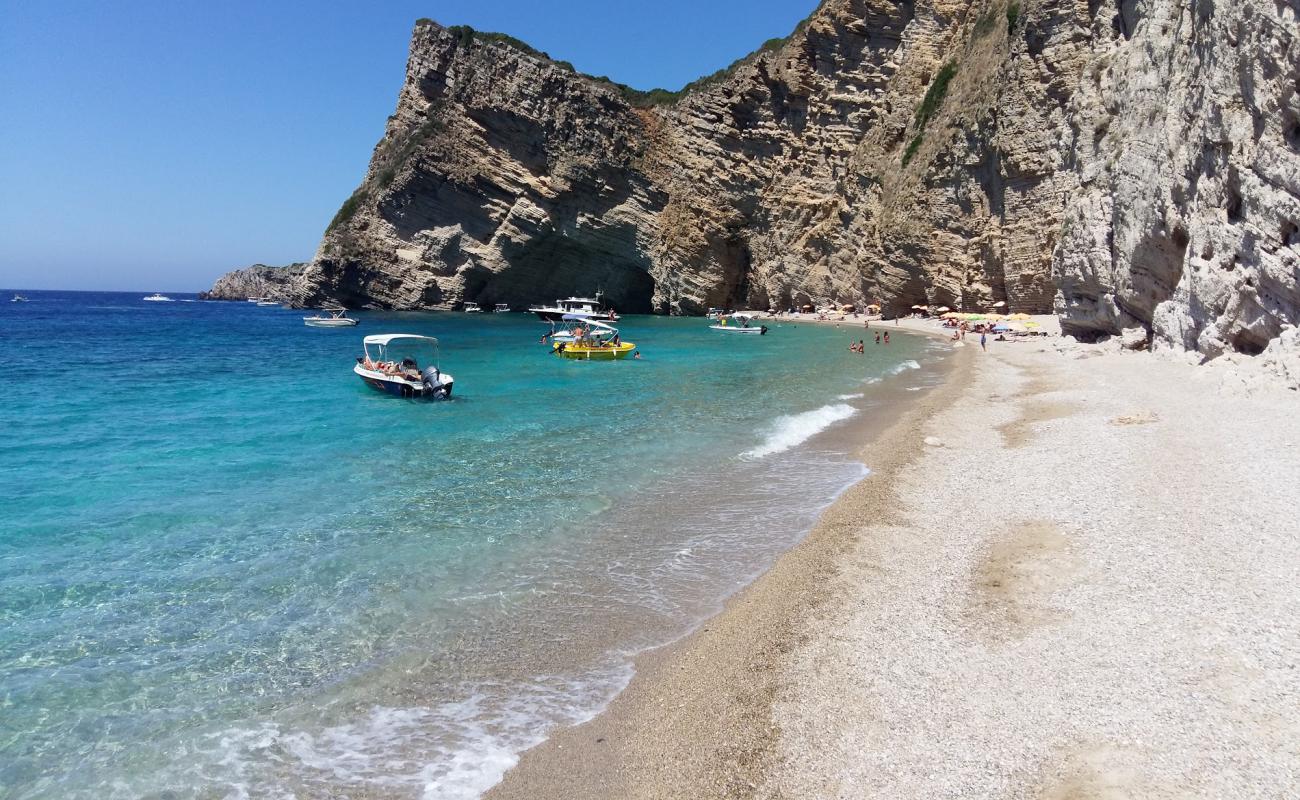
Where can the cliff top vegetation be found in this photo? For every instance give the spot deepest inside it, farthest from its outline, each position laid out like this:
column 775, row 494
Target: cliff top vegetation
column 466, row 35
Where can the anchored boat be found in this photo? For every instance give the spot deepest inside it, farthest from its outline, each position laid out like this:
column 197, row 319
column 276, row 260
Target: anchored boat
column 739, row 323
column 591, row 340
column 403, row 365
column 338, row 318
column 584, row 307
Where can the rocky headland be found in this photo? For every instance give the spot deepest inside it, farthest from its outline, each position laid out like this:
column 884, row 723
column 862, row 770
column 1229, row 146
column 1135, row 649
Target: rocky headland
column 1130, row 165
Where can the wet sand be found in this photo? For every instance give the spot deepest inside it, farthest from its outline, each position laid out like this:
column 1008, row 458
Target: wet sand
column 1082, row 587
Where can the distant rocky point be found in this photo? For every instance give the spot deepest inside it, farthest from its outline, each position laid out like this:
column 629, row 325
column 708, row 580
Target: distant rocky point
column 1132, row 166
column 289, row 283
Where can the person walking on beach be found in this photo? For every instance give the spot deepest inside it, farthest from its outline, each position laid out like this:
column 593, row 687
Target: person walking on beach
column 983, row 339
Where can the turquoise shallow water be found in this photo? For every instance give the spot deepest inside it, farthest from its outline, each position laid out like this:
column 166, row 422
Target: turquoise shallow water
column 230, row 569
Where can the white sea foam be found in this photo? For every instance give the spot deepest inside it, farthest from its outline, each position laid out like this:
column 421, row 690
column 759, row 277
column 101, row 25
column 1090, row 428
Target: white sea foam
column 451, row 751
column 857, row 396
column 796, row 429
column 903, row 367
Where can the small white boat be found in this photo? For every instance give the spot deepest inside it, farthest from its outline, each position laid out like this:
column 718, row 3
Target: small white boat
column 254, row 299
column 18, row 299
column 473, row 308
column 338, row 318
column 265, row 303
column 403, row 365
column 740, row 323
column 501, row 308
column 158, row 298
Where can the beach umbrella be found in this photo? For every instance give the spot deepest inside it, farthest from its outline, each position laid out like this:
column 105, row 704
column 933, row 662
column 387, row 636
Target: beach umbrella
column 1022, row 316
column 944, row 309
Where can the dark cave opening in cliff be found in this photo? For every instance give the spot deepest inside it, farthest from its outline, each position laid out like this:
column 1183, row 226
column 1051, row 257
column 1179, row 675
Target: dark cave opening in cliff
column 557, row 266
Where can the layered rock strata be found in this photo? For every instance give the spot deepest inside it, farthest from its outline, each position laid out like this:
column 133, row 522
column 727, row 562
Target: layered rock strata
column 1133, row 165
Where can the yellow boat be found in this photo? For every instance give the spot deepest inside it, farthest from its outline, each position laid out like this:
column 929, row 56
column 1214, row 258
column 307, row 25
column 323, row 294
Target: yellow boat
column 595, row 341
column 596, row 352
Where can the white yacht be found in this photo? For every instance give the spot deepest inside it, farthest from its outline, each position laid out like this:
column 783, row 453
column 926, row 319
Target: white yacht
column 158, row 298
column 585, row 307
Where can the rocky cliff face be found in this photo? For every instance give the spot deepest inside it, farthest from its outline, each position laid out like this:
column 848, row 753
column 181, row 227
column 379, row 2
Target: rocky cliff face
column 289, row 283
column 1131, row 164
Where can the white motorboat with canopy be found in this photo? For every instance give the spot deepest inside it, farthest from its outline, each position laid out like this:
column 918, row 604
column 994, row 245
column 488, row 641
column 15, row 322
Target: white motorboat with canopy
column 585, row 307
column 403, row 365
column 739, row 323
column 338, row 318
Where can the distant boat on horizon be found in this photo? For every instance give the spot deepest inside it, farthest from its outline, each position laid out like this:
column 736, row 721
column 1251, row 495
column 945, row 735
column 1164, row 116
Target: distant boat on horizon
column 158, row 298
column 18, row 299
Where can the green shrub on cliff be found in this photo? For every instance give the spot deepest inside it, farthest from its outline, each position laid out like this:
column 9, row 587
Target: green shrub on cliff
column 1013, row 16
column 935, row 94
column 930, row 106
column 912, row 147
column 348, row 209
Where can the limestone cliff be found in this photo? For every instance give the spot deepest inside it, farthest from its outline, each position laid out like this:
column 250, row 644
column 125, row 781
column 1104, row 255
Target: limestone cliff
column 288, row 283
column 1132, row 164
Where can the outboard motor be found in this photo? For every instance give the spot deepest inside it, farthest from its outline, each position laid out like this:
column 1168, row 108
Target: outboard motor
column 432, row 381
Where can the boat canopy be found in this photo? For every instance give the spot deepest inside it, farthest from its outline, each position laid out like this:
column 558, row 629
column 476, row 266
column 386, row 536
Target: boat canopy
column 585, row 320
column 384, row 339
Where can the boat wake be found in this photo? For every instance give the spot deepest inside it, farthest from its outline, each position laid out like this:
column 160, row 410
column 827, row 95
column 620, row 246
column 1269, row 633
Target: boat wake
column 795, row 429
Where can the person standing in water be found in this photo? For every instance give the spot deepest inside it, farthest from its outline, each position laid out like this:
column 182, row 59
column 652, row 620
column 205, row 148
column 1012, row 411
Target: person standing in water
column 886, row 337
column 877, row 338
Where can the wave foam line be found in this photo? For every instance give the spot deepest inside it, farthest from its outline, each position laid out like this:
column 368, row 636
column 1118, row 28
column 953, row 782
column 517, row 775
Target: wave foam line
column 796, row 429
column 903, row 366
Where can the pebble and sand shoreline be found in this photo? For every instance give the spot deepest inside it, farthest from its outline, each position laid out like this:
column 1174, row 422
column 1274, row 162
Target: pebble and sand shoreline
column 1073, row 572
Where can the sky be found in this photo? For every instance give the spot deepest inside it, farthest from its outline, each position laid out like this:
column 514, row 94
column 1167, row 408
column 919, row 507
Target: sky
column 155, row 145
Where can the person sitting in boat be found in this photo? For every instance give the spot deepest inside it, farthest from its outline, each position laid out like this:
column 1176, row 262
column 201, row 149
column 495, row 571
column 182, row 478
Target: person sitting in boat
column 409, row 369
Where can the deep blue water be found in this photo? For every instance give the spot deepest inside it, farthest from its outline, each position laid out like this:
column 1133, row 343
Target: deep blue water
column 231, row 569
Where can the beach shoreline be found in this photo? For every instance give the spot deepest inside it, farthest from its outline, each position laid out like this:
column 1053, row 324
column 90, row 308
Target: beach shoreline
column 976, row 615
column 719, row 681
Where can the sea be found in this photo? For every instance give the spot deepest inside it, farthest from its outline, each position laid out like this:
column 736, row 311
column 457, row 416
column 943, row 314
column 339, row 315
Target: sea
column 230, row 569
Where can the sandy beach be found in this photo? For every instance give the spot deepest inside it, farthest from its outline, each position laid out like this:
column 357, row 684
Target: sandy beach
column 1071, row 573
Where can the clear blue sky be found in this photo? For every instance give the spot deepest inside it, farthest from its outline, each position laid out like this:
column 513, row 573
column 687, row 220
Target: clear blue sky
column 155, row 145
